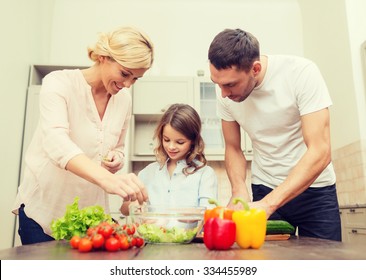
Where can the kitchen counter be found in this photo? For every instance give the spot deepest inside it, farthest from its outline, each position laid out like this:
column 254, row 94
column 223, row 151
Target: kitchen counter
column 296, row 248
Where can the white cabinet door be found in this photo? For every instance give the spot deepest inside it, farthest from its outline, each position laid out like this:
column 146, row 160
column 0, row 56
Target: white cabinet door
column 205, row 103
column 211, row 123
column 152, row 95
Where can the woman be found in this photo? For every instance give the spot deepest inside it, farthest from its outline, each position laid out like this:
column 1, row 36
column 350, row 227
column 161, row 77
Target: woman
column 78, row 145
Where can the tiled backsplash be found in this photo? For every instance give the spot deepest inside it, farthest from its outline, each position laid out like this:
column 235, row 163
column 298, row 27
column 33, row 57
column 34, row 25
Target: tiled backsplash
column 350, row 167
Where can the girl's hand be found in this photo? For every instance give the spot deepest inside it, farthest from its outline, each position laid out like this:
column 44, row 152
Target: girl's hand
column 113, row 161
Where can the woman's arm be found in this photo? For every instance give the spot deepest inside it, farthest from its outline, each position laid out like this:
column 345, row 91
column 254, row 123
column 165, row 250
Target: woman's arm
column 128, row 186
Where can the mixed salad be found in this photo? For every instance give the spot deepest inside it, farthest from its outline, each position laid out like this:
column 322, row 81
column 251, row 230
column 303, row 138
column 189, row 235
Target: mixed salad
column 153, row 233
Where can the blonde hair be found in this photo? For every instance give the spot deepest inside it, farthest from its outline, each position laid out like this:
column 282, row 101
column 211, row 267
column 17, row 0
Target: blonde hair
column 128, row 46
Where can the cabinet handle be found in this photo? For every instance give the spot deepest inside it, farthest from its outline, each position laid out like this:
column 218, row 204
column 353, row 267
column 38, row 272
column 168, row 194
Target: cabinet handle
column 354, row 231
column 352, row 210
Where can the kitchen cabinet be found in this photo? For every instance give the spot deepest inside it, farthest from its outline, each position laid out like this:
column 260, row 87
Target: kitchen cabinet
column 205, row 103
column 353, row 219
column 153, row 94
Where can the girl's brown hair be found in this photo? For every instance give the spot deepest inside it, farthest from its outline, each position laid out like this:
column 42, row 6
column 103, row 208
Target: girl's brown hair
column 184, row 119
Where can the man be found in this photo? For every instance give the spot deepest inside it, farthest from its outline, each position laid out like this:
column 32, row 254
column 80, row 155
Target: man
column 282, row 103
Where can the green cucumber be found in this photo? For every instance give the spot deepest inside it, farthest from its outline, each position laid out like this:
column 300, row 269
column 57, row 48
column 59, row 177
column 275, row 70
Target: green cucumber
column 279, row 227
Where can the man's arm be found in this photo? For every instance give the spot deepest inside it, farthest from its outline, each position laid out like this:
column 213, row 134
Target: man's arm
column 235, row 162
column 316, row 133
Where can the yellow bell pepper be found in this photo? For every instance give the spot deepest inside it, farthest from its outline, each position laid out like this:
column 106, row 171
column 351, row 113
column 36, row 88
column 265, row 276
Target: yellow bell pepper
column 250, row 226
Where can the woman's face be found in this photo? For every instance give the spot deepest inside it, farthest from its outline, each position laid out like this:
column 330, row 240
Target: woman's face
column 116, row 77
column 175, row 144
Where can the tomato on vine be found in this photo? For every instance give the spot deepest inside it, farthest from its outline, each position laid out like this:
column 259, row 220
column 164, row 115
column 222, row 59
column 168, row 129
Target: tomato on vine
column 130, row 230
column 112, row 244
column 123, row 240
column 139, row 242
column 106, row 230
column 85, row 245
column 74, row 241
column 97, row 240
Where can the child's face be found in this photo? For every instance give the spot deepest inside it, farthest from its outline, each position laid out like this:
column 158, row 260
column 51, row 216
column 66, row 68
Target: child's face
column 175, row 144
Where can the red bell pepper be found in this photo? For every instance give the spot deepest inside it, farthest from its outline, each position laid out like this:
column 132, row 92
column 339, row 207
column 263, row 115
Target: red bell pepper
column 219, row 233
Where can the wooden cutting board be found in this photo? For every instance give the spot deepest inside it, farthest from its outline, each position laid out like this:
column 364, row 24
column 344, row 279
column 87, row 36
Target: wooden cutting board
column 274, row 237
column 269, row 237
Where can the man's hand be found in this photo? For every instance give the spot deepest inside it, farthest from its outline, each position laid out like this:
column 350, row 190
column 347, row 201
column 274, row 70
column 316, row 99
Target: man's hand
column 261, row 204
column 242, row 194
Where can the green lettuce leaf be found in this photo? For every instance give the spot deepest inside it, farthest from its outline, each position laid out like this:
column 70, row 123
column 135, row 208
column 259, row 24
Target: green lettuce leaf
column 157, row 234
column 76, row 221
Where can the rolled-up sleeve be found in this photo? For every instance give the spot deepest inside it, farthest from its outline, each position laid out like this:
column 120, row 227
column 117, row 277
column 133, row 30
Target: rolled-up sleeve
column 55, row 116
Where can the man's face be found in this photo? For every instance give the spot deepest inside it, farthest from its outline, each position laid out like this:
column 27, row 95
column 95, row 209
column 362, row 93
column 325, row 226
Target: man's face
column 234, row 84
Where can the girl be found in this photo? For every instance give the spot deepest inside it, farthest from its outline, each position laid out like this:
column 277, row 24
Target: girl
column 180, row 176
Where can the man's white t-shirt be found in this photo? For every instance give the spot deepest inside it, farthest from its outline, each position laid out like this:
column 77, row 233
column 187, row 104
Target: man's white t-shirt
column 271, row 115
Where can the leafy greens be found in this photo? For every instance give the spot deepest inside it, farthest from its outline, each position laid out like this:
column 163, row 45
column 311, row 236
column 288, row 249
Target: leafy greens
column 76, row 221
column 157, row 234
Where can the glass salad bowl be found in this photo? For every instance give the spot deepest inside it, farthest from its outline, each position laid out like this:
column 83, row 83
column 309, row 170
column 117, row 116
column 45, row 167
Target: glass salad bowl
column 167, row 224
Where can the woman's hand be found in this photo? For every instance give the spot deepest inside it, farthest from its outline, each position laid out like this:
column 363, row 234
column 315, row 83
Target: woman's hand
column 113, row 161
column 128, row 186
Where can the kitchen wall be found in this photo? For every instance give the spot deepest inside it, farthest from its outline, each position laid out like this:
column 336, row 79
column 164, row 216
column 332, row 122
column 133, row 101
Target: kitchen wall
column 58, row 32
column 180, row 30
column 333, row 33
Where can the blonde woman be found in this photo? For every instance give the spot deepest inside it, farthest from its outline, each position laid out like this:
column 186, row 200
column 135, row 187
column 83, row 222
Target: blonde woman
column 78, row 145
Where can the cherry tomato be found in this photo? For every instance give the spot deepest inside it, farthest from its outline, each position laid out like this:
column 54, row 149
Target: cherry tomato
column 123, row 241
column 139, row 242
column 74, row 241
column 112, row 244
column 130, row 230
column 91, row 231
column 132, row 242
column 85, row 245
column 97, row 240
column 106, row 230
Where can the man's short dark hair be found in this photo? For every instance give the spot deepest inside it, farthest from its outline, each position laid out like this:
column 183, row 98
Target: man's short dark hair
column 234, row 47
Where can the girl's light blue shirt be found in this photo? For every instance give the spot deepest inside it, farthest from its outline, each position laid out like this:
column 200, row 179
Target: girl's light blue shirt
column 179, row 189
